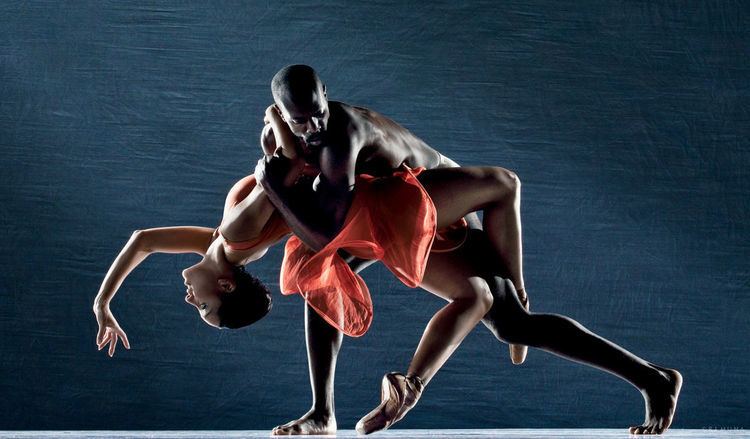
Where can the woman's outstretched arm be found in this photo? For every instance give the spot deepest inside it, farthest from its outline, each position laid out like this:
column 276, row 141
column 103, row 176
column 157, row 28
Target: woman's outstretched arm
column 141, row 244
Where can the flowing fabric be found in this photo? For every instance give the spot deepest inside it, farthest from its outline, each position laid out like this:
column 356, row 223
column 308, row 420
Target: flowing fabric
column 391, row 219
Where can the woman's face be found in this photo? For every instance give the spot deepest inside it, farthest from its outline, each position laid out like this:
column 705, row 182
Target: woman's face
column 203, row 291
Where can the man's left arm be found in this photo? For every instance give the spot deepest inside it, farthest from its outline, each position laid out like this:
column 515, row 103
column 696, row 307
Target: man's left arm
column 316, row 217
column 334, row 186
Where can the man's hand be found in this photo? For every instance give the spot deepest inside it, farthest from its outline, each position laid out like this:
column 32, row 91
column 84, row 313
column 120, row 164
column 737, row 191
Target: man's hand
column 275, row 173
column 109, row 331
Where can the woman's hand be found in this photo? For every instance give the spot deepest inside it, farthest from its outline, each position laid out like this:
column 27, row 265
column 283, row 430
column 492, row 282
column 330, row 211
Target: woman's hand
column 109, row 331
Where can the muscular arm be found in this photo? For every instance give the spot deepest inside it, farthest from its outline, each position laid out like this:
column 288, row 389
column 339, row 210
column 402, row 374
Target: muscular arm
column 316, row 216
column 143, row 243
column 246, row 219
column 299, row 209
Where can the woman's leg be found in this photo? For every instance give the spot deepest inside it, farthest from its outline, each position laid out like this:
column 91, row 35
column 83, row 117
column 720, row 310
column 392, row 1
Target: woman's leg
column 497, row 192
column 494, row 190
column 447, row 276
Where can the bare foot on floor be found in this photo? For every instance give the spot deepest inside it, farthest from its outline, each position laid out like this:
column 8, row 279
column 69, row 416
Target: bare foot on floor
column 518, row 351
column 311, row 423
column 661, row 402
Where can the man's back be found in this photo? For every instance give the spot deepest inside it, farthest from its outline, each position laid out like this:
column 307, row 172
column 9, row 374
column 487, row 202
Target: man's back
column 377, row 144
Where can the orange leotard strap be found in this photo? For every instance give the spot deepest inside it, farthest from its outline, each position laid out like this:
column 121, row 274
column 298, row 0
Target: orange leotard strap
column 391, row 219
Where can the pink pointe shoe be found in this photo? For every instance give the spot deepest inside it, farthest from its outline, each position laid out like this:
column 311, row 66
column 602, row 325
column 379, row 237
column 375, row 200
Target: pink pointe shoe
column 518, row 351
column 398, row 394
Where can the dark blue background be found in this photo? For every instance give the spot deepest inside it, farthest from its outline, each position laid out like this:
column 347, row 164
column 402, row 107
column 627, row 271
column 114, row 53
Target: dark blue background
column 628, row 124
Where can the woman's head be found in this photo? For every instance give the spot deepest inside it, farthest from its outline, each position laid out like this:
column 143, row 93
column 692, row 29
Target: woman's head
column 249, row 302
column 226, row 296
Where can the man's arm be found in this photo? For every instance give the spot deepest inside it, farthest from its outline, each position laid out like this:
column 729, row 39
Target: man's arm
column 315, row 216
column 297, row 205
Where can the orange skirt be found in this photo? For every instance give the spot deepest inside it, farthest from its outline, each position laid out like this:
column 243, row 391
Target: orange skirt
column 391, row 219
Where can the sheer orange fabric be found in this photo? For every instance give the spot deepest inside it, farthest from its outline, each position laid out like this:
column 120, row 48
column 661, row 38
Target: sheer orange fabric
column 391, row 219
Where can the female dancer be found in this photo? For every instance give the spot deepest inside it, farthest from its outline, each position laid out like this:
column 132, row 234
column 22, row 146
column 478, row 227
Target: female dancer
column 224, row 296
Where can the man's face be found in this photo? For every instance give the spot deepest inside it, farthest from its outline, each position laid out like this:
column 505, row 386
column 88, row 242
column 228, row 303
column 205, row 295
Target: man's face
column 308, row 121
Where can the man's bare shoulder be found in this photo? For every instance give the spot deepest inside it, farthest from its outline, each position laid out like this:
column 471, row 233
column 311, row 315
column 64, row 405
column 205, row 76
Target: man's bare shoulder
column 362, row 114
column 351, row 121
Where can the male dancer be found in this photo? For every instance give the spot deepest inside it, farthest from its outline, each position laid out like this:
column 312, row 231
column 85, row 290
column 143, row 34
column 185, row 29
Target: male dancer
column 349, row 140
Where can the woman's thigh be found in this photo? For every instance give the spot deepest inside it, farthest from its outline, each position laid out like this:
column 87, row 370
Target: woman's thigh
column 458, row 191
column 451, row 276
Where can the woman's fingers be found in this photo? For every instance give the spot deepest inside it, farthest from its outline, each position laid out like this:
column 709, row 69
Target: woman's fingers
column 112, row 345
column 110, row 336
column 100, row 335
column 105, row 339
column 125, row 341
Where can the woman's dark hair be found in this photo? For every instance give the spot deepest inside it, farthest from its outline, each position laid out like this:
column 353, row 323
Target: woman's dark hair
column 249, row 302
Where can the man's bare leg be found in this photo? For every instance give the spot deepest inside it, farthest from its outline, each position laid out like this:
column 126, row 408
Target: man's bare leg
column 565, row 337
column 323, row 344
column 496, row 191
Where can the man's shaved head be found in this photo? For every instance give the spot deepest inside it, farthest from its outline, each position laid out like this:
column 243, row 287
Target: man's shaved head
column 301, row 98
column 298, row 85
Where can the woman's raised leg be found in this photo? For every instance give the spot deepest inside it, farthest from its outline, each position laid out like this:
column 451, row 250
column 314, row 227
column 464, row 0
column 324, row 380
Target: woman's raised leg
column 497, row 192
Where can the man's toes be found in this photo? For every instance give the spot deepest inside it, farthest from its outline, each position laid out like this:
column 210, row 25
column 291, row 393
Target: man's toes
column 662, row 426
column 288, row 429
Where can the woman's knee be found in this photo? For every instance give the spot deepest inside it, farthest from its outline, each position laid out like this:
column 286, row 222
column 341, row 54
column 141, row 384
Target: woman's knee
column 506, row 182
column 477, row 296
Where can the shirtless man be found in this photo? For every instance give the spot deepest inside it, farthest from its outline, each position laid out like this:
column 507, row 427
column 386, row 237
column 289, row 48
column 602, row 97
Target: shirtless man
column 343, row 141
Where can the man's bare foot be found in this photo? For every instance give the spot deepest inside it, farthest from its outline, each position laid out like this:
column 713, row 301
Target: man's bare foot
column 661, row 402
column 518, row 351
column 311, row 423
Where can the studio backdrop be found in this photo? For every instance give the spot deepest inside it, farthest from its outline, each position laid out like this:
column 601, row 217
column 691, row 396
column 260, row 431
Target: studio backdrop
column 627, row 122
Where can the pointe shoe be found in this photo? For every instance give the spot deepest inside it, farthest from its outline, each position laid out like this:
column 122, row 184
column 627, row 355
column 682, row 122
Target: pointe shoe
column 518, row 351
column 398, row 394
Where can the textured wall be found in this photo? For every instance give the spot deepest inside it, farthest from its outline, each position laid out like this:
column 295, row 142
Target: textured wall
column 627, row 122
